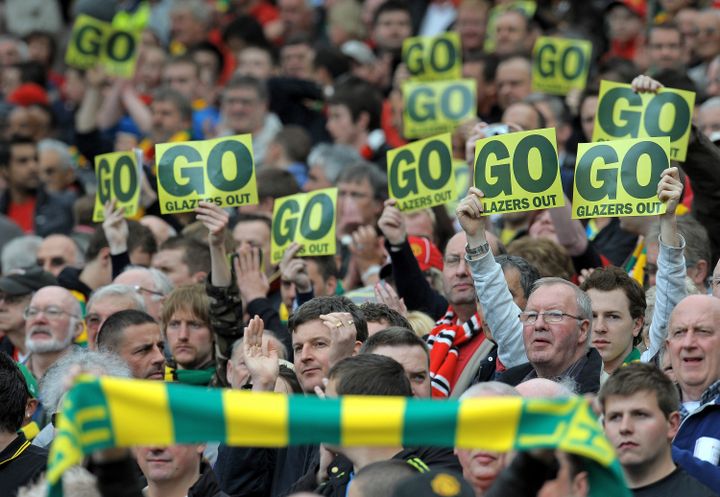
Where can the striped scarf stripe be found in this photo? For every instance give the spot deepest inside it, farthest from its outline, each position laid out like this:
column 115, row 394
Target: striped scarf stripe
column 444, row 341
column 114, row 412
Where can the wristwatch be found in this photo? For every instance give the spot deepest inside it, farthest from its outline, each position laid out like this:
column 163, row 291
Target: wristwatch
column 476, row 252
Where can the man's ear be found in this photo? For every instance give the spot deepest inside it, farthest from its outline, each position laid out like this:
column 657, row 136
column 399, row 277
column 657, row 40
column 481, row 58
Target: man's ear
column 331, row 286
column 581, row 485
column 199, row 277
column 638, row 325
column 702, row 270
column 356, row 348
column 673, row 424
column 229, row 371
column 104, row 257
column 363, row 121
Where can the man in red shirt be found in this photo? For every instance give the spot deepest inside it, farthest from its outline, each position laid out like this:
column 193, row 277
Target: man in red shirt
column 25, row 200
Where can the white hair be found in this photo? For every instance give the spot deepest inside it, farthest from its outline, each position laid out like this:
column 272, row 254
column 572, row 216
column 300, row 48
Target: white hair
column 116, row 290
column 489, row 388
column 63, row 151
column 52, row 384
column 76, row 481
column 20, row 253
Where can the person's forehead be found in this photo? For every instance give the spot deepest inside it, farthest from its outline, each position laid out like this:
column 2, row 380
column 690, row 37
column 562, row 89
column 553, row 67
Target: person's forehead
column 22, row 149
column 695, row 312
column 456, row 245
column 184, row 314
column 664, row 33
column 180, row 68
column 139, row 333
column 53, row 295
column 642, row 399
column 111, row 304
column 135, row 277
column 170, row 254
column 49, row 156
column 404, row 354
column 612, row 300
column 394, row 16
column 251, row 230
column 357, row 184
column 310, row 330
column 554, row 295
column 511, row 18
column 57, row 243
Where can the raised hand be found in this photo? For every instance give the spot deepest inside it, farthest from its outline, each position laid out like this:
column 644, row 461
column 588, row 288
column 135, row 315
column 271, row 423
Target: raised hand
column 251, row 279
column 469, row 214
column 115, row 227
column 343, row 335
column 215, row 219
column 386, row 294
column 392, row 223
column 670, row 189
column 645, row 84
column 261, row 361
column 294, row 269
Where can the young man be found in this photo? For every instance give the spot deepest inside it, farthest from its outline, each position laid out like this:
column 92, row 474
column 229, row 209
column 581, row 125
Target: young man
column 20, row 462
column 618, row 304
column 640, row 408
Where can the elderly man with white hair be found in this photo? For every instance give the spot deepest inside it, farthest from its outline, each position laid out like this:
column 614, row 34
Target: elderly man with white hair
column 52, row 321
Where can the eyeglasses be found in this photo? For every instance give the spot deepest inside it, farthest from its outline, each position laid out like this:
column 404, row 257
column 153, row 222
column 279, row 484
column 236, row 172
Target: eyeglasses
column 52, row 313
column 54, row 261
column 141, row 289
column 552, row 317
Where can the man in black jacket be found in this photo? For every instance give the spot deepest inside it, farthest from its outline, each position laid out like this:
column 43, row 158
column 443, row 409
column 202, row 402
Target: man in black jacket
column 20, row 462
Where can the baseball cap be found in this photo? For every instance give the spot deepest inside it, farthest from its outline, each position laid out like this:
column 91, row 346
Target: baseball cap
column 426, row 253
column 637, row 7
column 359, row 52
column 434, row 484
column 25, row 281
column 29, row 94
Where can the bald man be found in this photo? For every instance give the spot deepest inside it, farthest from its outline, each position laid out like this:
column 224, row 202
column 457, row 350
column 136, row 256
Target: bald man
column 693, row 343
column 52, row 322
column 57, row 252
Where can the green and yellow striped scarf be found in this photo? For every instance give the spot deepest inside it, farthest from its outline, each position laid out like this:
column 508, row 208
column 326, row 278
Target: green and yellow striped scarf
column 112, row 412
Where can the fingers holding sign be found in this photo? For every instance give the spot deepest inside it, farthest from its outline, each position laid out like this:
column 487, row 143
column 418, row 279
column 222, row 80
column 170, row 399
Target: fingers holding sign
column 670, row 189
column 215, row 219
column 645, row 84
column 470, row 215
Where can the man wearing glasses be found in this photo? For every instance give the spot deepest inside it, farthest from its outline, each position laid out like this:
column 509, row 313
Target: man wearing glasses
column 52, row 322
column 16, row 290
column 555, row 325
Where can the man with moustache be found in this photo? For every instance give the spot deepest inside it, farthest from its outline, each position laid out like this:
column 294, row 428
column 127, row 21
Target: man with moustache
column 52, row 322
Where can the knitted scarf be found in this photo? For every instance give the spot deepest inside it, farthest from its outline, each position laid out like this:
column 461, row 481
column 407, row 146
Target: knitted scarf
column 444, row 341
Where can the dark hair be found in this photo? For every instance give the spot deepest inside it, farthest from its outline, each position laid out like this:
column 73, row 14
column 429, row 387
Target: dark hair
column 488, row 60
column 276, row 183
column 548, row 257
column 6, row 147
column 391, row 6
column 528, row 273
column 295, row 141
column 673, row 78
column 196, row 254
column 206, row 46
column 139, row 236
column 247, row 217
column 607, row 279
column 312, row 309
column 110, row 334
column 356, row 173
column 248, row 82
column 375, row 312
column 359, row 96
column 287, row 374
column 333, row 60
column 370, row 374
column 180, row 101
column 14, row 395
column 381, row 478
column 394, row 336
column 641, row 377
column 327, row 267
column 48, row 36
column 246, row 28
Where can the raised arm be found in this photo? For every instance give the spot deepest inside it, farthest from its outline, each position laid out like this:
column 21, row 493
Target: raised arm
column 499, row 310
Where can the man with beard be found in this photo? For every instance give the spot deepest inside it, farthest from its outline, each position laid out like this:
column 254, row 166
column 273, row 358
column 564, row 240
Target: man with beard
column 52, row 321
column 25, row 200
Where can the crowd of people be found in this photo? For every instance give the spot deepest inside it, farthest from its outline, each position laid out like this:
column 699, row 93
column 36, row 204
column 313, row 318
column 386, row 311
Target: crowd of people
column 442, row 302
